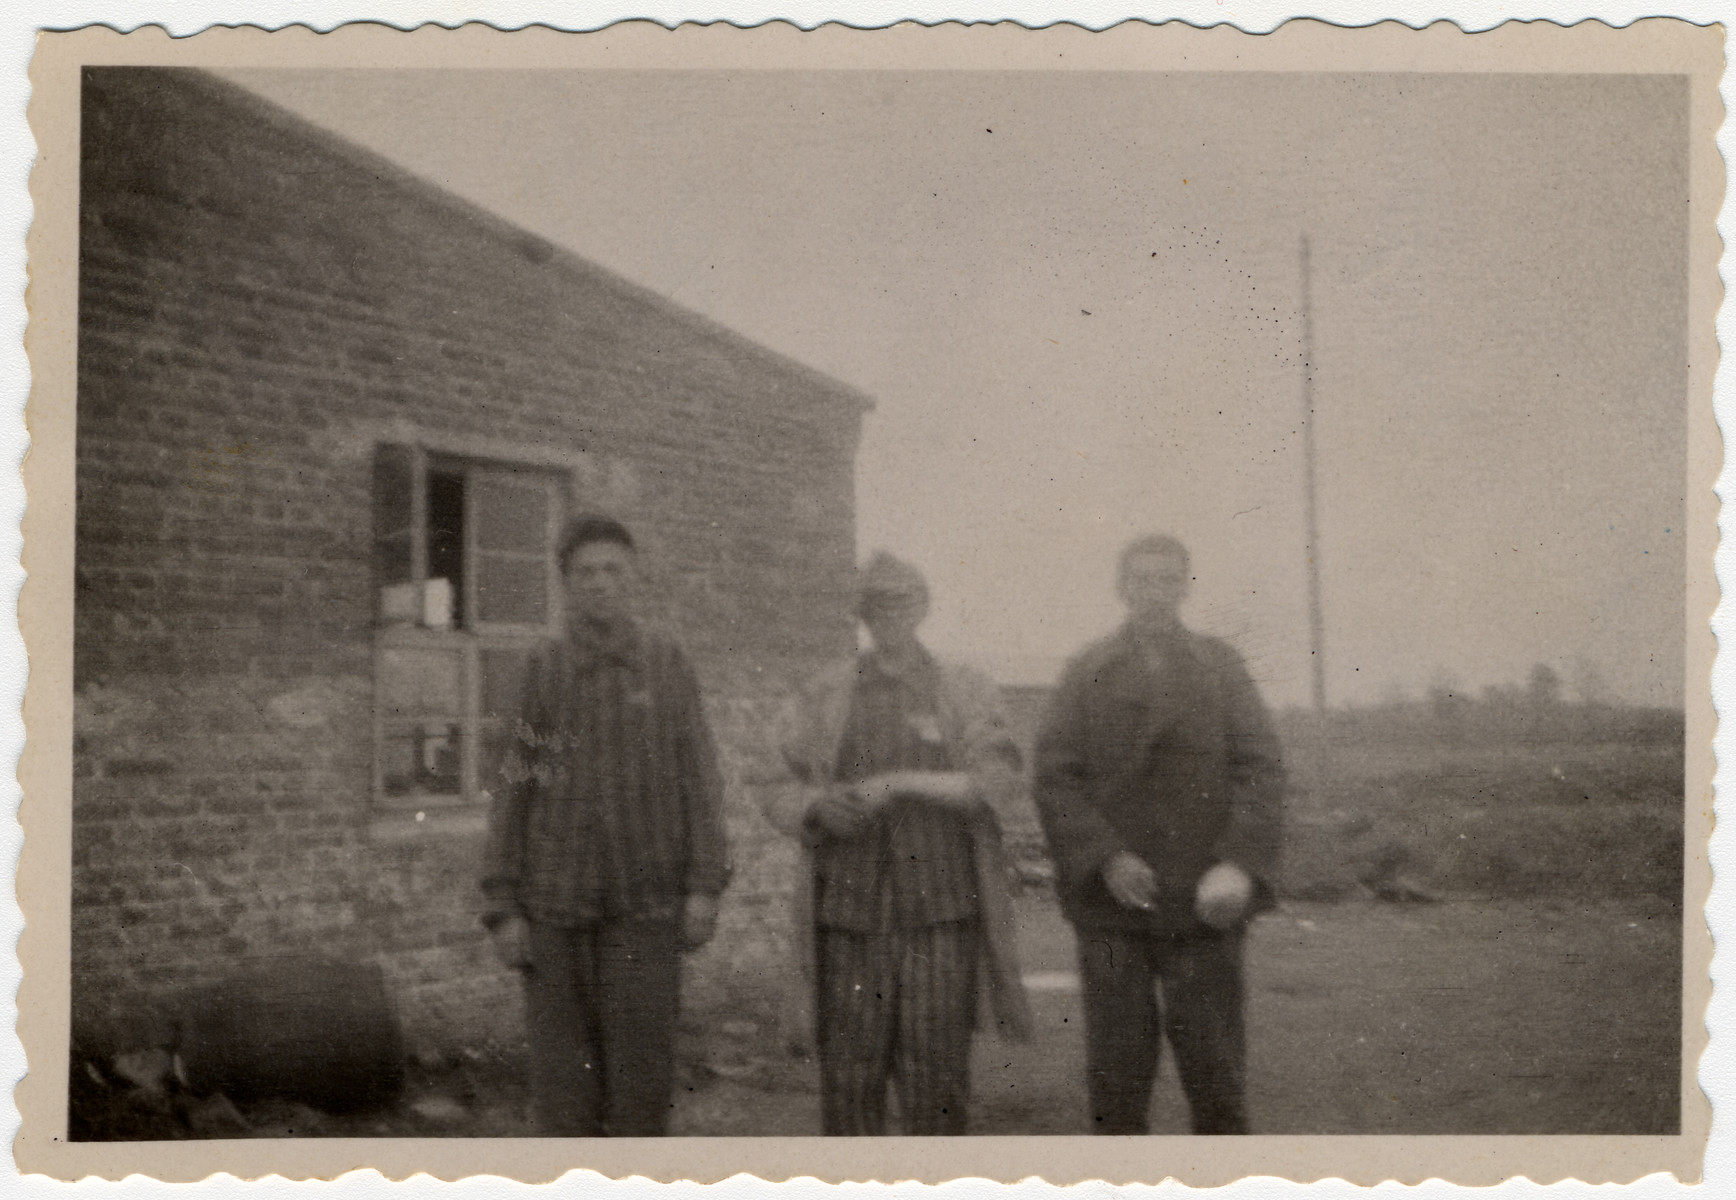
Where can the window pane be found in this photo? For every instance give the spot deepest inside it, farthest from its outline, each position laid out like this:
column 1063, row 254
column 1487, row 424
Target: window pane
column 512, row 588
column 446, row 536
column 417, row 682
column 421, row 758
column 502, row 677
column 511, row 513
column 511, row 522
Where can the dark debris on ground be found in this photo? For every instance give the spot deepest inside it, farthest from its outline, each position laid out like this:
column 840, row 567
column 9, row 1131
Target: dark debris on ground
column 721, row 1055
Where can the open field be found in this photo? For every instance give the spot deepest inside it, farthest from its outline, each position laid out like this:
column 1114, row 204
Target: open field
column 1553, row 820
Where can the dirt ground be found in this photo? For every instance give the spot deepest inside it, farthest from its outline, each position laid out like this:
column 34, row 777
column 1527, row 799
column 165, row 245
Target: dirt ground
column 1505, row 1016
column 1456, row 1018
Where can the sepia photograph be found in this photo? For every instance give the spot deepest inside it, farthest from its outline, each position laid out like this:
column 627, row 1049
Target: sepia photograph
column 877, row 599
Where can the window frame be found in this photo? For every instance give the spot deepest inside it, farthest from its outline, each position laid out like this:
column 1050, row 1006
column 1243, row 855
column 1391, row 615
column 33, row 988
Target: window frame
column 469, row 643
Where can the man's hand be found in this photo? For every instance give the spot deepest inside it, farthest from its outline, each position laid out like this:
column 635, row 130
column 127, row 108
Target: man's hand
column 1131, row 880
column 698, row 921
column 838, row 817
column 948, row 789
column 875, row 792
column 846, row 813
column 1223, row 896
column 511, row 939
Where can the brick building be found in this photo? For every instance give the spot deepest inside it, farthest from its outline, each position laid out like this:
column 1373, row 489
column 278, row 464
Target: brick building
column 329, row 421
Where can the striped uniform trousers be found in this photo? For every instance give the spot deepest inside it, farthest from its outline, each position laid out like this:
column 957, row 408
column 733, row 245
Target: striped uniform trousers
column 896, row 1005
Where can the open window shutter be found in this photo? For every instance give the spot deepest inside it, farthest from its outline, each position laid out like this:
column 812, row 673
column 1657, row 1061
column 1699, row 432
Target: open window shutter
column 513, row 518
column 394, row 515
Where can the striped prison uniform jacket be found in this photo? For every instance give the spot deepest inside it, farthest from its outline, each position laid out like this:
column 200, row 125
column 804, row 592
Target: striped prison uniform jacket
column 896, row 907
column 913, row 864
column 612, row 803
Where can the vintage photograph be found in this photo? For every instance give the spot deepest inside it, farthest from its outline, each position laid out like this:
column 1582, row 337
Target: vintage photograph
column 869, row 601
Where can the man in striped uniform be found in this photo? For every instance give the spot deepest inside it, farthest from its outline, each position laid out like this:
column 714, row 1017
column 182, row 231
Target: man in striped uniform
column 903, row 761
column 606, row 849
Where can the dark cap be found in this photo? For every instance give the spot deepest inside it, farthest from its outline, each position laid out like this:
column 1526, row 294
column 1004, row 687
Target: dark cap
column 586, row 528
column 885, row 577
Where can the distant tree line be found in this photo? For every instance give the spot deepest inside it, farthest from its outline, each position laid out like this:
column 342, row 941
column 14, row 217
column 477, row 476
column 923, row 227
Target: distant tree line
column 1538, row 709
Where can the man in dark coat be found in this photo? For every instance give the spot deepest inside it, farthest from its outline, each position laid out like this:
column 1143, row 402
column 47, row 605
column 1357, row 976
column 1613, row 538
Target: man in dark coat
column 1159, row 783
column 606, row 849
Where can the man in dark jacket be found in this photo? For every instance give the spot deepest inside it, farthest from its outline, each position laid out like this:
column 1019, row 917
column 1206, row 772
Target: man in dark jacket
column 1159, row 783
column 606, row 849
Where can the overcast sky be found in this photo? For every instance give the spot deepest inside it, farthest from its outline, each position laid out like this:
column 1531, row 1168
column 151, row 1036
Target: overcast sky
column 1075, row 301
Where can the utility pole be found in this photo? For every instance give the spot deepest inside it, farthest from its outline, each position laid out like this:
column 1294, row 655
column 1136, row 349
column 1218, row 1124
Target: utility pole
column 1310, row 508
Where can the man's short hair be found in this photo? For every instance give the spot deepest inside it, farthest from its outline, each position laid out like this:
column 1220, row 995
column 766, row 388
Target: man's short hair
column 592, row 527
column 1152, row 543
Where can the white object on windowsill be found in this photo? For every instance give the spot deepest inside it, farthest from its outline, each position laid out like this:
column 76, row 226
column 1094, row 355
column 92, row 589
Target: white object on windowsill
column 437, row 604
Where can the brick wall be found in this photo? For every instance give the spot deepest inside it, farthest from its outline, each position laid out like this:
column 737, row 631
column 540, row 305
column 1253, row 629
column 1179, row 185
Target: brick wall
column 259, row 304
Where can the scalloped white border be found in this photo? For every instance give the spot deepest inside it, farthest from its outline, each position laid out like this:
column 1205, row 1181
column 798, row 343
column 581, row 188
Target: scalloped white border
column 18, row 25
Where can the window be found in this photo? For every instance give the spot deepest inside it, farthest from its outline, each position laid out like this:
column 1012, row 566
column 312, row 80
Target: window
column 466, row 582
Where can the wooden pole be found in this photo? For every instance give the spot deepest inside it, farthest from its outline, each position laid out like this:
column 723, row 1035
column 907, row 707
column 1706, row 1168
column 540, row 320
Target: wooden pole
column 1310, row 504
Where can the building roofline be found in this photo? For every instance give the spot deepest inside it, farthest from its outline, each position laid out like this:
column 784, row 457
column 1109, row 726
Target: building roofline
column 528, row 244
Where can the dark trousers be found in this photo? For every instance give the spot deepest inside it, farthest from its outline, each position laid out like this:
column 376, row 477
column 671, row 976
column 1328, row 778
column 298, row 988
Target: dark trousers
column 600, row 1008
column 1201, row 1012
column 896, row 1005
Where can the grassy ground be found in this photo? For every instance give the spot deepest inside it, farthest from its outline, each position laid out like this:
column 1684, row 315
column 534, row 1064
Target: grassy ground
column 1538, row 818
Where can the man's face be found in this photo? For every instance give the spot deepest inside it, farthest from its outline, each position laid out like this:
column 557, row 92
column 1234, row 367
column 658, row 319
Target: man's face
column 600, row 578
column 1153, row 586
column 892, row 620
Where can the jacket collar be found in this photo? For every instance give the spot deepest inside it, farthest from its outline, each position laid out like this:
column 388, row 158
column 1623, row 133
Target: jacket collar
column 593, row 645
column 1143, row 654
column 921, row 669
